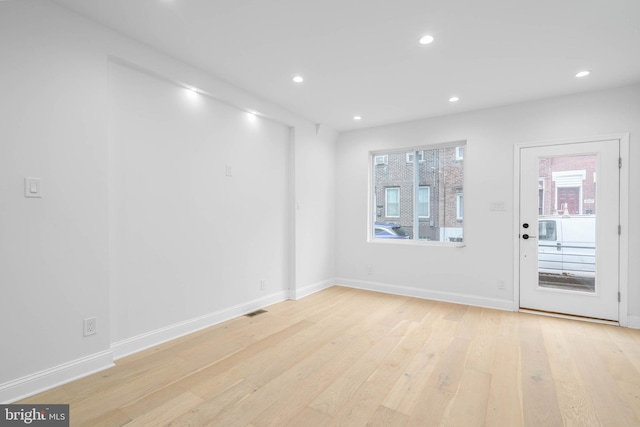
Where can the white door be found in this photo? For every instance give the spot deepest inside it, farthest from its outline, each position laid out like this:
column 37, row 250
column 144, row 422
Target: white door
column 569, row 216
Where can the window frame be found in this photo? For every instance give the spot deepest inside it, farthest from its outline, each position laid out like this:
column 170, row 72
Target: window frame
column 376, row 209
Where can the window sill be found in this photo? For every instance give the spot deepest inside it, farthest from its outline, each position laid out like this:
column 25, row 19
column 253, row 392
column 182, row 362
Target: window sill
column 412, row 242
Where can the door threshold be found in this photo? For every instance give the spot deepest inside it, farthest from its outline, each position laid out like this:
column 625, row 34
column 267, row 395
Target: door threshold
column 569, row 316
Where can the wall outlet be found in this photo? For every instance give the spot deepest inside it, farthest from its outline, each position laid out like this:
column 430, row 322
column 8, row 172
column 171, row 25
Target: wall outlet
column 228, row 170
column 89, row 326
column 263, row 284
column 369, row 268
column 500, row 284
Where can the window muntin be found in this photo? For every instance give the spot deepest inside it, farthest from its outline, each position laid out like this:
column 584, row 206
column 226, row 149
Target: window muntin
column 429, row 205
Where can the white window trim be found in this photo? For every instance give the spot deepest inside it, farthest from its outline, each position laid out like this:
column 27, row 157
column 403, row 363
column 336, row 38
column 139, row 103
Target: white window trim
column 459, row 212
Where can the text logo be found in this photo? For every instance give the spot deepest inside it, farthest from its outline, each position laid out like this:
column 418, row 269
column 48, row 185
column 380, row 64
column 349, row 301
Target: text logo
column 34, row 415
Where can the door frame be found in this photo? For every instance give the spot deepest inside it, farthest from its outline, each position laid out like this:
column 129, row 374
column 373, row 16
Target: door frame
column 623, row 242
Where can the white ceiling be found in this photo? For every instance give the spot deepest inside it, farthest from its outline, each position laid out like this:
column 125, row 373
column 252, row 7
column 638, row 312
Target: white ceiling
column 362, row 57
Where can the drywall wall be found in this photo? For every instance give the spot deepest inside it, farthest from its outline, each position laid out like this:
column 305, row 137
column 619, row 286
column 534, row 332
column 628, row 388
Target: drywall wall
column 315, row 210
column 54, row 249
column 199, row 204
column 65, row 256
column 473, row 274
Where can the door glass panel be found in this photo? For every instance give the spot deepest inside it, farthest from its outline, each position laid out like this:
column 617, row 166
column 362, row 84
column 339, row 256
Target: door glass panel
column 567, row 222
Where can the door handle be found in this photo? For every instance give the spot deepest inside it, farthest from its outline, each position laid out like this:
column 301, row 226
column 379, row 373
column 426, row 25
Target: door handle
column 526, row 236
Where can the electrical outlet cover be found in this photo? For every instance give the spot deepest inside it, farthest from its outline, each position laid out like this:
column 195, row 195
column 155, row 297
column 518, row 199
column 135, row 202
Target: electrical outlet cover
column 89, row 326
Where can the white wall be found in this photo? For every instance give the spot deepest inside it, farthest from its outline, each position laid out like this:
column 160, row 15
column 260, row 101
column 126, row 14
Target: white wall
column 103, row 238
column 472, row 274
column 315, row 212
column 189, row 240
column 53, row 250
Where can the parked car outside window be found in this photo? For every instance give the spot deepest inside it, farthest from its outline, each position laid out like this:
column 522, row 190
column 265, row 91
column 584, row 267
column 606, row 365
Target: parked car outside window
column 390, row 230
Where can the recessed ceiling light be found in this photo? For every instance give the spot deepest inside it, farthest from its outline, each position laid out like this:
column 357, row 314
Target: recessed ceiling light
column 583, row 73
column 426, row 39
column 454, row 99
column 357, row 118
column 298, row 79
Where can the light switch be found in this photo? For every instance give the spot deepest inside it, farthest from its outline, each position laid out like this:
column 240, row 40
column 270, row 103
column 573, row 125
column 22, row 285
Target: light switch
column 32, row 187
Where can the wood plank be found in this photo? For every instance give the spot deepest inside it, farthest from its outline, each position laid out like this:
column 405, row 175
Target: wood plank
column 631, row 393
column 576, row 406
column 113, row 418
column 350, row 357
column 540, row 401
column 309, row 378
column 439, row 391
column 341, row 390
column 358, row 409
column 206, row 412
column 504, row 406
column 385, row 417
column 483, row 341
column 609, row 402
column 164, row 414
column 469, row 405
column 407, row 389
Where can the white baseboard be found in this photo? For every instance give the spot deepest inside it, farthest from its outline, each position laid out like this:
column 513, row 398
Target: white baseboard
column 305, row 291
column 38, row 382
column 633, row 322
column 499, row 304
column 150, row 339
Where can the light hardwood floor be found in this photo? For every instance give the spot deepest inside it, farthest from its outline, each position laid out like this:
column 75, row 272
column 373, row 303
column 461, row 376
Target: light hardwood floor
column 358, row 358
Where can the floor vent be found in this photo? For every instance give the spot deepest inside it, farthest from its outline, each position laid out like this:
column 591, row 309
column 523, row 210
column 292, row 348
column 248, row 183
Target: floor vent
column 255, row 313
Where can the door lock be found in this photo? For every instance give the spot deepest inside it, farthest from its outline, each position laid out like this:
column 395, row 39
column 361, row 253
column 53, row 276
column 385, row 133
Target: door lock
column 526, row 236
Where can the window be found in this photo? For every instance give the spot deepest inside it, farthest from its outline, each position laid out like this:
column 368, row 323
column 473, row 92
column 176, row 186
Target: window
column 459, row 153
column 424, row 199
column 540, row 196
column 381, row 160
column 411, row 155
column 547, row 230
column 392, row 202
column 459, row 206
